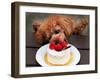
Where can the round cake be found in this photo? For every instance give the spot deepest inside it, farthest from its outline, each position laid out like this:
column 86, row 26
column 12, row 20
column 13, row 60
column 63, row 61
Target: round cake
column 58, row 52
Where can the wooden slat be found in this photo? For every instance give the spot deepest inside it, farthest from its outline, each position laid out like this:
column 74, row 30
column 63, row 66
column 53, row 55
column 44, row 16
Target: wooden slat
column 81, row 42
column 31, row 61
column 30, row 57
column 30, row 40
column 84, row 57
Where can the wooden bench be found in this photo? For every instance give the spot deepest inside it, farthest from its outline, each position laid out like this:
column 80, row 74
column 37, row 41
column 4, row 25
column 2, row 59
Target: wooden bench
column 79, row 41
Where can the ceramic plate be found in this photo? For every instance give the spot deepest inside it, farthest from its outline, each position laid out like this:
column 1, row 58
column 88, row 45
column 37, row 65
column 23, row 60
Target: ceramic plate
column 42, row 51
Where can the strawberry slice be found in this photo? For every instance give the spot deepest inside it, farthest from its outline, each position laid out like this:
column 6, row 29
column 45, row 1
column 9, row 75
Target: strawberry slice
column 52, row 45
column 58, row 47
column 64, row 44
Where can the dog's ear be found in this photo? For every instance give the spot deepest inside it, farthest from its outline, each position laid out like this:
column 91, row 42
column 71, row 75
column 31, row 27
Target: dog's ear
column 80, row 24
column 36, row 25
column 40, row 37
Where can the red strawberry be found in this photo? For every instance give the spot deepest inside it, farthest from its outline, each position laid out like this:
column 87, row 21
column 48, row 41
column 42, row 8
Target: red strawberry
column 52, row 45
column 58, row 47
column 64, row 44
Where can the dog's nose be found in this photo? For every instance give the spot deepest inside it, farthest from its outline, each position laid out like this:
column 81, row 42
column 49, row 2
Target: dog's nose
column 56, row 31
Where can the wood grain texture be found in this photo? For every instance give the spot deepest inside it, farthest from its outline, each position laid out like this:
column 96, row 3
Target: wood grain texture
column 81, row 42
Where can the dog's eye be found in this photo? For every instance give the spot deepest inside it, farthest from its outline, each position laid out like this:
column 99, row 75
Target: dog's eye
column 56, row 31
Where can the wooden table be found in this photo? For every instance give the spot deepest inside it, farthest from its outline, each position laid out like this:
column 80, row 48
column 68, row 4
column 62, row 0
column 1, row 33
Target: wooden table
column 79, row 41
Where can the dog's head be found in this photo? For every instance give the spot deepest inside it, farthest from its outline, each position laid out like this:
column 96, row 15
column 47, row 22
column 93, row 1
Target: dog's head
column 56, row 26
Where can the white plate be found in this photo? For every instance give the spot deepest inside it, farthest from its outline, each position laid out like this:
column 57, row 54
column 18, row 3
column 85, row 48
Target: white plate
column 42, row 51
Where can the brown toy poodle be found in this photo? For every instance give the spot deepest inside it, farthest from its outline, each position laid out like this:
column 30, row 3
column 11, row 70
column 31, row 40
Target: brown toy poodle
column 58, row 25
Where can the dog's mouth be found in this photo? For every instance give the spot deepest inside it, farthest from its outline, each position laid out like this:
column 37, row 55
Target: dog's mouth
column 59, row 36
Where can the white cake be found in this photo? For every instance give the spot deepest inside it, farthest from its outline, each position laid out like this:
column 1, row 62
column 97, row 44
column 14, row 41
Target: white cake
column 58, row 57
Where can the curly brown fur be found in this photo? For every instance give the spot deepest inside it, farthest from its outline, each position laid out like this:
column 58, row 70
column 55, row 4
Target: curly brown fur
column 58, row 25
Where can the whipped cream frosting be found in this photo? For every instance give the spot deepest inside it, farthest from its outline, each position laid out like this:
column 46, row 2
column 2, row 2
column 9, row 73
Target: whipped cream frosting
column 58, row 57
